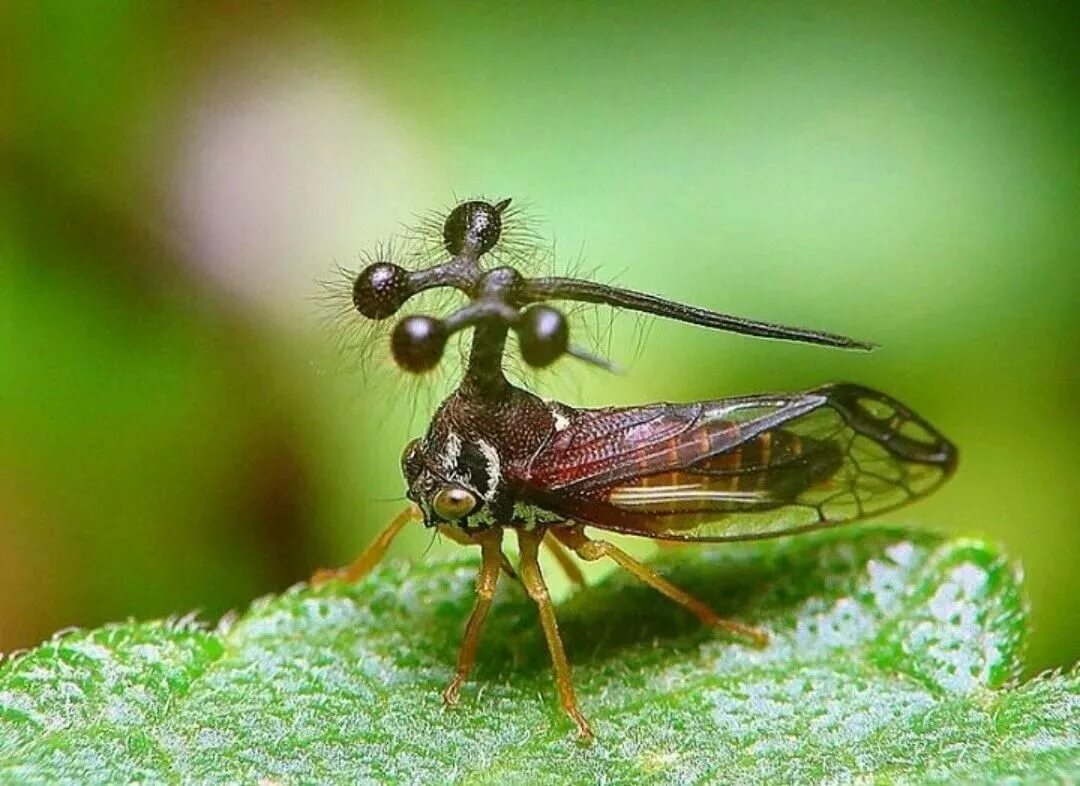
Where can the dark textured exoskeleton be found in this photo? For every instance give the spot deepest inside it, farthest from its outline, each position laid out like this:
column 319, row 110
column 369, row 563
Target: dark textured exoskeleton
column 497, row 457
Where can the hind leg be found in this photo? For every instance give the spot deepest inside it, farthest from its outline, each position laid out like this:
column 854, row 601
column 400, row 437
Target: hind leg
column 565, row 560
column 590, row 550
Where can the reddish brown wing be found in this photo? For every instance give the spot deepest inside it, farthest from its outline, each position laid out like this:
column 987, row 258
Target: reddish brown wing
column 740, row 468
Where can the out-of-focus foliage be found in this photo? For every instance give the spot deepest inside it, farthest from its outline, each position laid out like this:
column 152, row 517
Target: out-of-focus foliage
column 175, row 177
column 893, row 659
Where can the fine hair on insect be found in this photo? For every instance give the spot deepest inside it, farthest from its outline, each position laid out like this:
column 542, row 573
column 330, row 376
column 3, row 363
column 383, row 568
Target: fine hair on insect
column 358, row 346
column 496, row 458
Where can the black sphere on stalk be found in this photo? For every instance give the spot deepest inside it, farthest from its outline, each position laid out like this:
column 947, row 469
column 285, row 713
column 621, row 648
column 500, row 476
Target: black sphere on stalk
column 543, row 335
column 379, row 290
column 418, row 343
column 473, row 228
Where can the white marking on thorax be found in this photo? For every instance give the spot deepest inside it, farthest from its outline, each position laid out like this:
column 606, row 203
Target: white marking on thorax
column 494, row 467
column 452, row 454
column 561, row 421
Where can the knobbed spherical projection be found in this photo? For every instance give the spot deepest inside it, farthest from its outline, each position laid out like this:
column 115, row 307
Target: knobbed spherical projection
column 543, row 335
column 472, row 228
column 379, row 290
column 418, row 342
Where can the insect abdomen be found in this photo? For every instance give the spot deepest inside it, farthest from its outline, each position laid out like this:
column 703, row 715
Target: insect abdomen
column 765, row 471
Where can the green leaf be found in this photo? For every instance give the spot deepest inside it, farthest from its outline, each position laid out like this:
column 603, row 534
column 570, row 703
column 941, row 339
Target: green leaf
column 894, row 658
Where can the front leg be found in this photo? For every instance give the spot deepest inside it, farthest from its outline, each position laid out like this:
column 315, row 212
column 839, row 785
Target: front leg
column 490, row 542
column 373, row 554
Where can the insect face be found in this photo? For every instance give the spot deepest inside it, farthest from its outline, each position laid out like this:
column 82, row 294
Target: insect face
column 452, row 480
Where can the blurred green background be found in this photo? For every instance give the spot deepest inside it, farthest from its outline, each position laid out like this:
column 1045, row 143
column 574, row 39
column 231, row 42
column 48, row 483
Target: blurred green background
column 175, row 432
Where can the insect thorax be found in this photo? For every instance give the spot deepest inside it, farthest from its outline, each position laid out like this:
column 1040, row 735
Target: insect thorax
column 483, row 448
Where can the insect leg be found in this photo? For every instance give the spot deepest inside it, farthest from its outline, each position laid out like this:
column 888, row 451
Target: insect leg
column 566, row 562
column 590, row 550
column 490, row 543
column 371, row 556
column 462, row 539
column 534, row 584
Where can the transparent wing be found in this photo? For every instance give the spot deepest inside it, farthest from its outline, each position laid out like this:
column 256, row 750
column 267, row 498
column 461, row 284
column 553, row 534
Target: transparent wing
column 833, row 455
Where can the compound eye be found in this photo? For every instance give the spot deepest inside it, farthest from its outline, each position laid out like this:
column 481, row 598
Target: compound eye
column 453, row 503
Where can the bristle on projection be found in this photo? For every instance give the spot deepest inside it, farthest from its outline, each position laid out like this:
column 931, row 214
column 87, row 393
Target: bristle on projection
column 361, row 346
column 520, row 244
